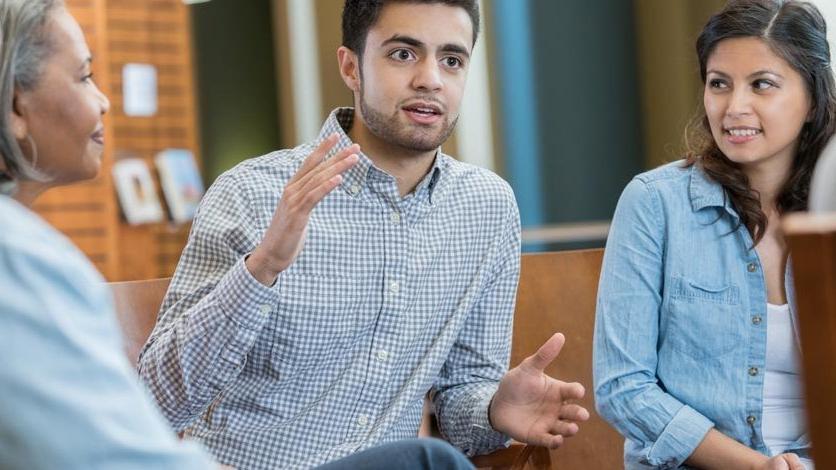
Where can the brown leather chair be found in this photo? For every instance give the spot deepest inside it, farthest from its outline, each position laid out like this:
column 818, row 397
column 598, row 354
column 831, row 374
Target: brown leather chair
column 557, row 293
column 137, row 304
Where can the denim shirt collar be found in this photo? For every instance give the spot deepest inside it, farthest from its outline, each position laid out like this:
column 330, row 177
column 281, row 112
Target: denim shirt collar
column 705, row 192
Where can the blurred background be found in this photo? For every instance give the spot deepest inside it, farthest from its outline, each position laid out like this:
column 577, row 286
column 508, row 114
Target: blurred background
column 567, row 100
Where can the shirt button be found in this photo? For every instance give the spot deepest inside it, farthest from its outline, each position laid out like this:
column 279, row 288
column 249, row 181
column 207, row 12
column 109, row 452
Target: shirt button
column 752, row 267
column 363, row 420
column 264, row 309
column 753, row 371
column 395, row 218
column 751, row 419
column 354, row 189
column 382, row 355
column 756, row 320
column 394, row 287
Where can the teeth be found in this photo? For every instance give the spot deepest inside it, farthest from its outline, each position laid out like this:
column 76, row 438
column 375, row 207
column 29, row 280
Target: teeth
column 743, row 132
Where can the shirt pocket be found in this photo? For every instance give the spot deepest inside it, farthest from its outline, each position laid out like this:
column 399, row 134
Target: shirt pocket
column 316, row 320
column 702, row 315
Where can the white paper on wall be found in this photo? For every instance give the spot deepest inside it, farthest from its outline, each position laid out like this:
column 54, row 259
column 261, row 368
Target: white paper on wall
column 139, row 90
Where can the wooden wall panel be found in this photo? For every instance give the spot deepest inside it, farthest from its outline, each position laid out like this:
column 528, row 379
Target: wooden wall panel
column 156, row 32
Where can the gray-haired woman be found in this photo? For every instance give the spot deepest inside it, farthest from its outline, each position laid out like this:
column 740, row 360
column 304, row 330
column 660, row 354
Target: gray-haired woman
column 69, row 397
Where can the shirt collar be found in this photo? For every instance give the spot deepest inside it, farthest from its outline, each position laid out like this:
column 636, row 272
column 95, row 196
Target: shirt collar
column 354, row 180
column 705, row 192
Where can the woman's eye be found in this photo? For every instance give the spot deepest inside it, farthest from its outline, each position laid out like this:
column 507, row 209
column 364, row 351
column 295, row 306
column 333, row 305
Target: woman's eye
column 762, row 84
column 716, row 83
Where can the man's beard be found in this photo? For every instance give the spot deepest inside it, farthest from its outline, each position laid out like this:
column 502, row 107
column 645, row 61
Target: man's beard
column 390, row 130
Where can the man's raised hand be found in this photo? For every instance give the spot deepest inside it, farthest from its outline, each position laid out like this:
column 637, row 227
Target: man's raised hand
column 285, row 237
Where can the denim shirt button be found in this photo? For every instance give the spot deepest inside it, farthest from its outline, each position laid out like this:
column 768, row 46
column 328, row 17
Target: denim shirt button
column 756, row 319
column 751, row 419
column 752, row 267
column 753, row 371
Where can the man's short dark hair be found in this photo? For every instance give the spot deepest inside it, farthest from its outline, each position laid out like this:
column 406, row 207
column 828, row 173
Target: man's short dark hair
column 360, row 15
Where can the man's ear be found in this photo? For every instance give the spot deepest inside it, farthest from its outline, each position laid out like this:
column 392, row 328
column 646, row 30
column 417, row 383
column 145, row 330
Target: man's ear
column 349, row 64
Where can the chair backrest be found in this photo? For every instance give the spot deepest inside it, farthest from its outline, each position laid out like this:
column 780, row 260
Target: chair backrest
column 557, row 293
column 137, row 304
column 812, row 242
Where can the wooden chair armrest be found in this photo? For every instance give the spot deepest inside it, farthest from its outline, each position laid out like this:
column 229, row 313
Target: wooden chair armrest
column 516, row 457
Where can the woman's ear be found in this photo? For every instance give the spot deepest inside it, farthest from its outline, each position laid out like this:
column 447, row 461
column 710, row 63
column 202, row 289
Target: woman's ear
column 17, row 120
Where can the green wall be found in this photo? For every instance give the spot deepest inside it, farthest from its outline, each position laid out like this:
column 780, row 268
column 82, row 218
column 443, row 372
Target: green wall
column 234, row 61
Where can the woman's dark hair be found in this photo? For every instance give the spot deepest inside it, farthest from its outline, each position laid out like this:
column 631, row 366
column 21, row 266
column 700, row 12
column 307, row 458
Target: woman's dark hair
column 796, row 32
column 360, row 15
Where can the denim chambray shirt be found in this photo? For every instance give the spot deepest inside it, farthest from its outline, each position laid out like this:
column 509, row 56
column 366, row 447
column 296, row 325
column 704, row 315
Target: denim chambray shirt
column 680, row 331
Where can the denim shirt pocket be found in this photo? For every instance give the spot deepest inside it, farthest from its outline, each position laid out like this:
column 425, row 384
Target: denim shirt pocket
column 701, row 317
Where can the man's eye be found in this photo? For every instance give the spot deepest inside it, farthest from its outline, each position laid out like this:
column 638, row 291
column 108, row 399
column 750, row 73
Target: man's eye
column 401, row 54
column 453, row 62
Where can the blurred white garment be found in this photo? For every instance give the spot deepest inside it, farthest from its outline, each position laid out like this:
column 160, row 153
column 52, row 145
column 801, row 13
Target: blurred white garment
column 823, row 187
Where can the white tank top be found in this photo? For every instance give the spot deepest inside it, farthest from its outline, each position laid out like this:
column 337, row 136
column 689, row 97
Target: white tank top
column 783, row 400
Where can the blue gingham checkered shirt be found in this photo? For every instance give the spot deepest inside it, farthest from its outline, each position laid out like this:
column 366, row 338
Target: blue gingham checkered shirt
column 392, row 297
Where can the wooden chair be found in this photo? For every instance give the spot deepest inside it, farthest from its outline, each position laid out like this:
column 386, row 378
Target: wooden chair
column 137, row 304
column 812, row 242
column 557, row 293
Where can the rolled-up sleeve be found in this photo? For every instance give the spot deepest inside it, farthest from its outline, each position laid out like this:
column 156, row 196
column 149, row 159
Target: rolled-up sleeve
column 479, row 358
column 627, row 392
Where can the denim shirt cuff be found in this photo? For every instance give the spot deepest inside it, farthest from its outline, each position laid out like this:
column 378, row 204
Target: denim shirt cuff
column 679, row 439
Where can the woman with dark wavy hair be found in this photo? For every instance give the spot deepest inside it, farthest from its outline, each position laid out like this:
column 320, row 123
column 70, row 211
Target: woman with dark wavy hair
column 696, row 350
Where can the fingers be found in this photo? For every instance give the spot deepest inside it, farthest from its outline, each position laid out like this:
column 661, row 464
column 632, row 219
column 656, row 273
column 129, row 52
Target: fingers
column 547, row 440
column 793, row 462
column 328, row 170
column 573, row 413
column 318, row 187
column 547, row 353
column 572, row 391
column 564, row 428
column 319, row 153
column 302, row 179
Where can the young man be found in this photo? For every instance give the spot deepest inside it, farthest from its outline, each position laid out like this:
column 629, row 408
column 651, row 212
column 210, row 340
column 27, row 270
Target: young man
column 326, row 289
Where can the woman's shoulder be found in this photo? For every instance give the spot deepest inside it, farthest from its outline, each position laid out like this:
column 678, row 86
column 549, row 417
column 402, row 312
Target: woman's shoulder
column 673, row 173
column 28, row 242
column 24, row 230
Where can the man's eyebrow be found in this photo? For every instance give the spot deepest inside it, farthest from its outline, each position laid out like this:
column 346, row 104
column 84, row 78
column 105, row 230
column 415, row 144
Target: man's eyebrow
column 408, row 40
column 456, row 49
column 411, row 41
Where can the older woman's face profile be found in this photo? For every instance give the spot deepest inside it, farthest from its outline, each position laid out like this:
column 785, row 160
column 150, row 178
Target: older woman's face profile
column 63, row 112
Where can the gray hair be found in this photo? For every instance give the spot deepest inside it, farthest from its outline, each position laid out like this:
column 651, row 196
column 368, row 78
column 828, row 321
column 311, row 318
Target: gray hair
column 24, row 46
